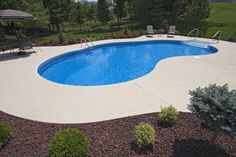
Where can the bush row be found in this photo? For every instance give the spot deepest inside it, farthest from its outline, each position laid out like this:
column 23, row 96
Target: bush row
column 75, row 143
column 63, row 41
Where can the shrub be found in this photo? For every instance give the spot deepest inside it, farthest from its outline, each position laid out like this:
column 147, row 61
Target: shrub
column 168, row 115
column 145, row 135
column 215, row 106
column 69, row 142
column 5, row 134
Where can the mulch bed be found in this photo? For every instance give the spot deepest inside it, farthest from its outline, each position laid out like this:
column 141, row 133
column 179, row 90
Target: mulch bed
column 187, row 138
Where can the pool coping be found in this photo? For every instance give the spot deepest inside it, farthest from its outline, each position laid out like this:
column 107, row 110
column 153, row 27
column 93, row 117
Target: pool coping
column 61, row 57
column 26, row 94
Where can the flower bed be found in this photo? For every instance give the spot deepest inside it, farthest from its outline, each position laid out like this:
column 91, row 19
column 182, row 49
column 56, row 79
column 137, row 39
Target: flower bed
column 116, row 138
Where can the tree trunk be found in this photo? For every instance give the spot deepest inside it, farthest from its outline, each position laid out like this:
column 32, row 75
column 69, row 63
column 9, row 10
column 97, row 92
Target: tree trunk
column 58, row 27
column 73, row 27
column 119, row 20
column 53, row 27
column 132, row 25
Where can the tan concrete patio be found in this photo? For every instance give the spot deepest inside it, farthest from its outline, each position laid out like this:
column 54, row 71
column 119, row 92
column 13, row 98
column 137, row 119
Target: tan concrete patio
column 25, row 94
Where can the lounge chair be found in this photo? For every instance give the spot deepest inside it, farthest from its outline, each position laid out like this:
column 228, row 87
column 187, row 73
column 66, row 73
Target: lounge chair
column 150, row 31
column 172, row 31
column 27, row 45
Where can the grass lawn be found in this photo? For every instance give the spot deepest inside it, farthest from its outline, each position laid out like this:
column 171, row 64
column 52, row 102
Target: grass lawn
column 97, row 31
column 222, row 17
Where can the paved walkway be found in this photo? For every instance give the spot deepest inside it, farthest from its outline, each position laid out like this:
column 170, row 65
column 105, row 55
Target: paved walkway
column 25, row 94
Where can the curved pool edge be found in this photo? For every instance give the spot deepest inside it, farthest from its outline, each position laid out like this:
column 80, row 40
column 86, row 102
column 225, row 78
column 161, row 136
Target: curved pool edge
column 46, row 62
column 37, row 99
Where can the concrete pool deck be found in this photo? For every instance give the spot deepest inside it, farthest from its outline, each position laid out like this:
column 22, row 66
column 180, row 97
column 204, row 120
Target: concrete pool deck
column 25, row 94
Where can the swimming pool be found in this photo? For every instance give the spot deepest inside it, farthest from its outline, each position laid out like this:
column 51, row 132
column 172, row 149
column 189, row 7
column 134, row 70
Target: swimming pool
column 114, row 62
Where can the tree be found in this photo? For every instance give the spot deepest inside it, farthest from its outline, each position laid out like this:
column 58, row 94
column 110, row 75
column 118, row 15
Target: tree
column 91, row 14
column 148, row 11
column 131, row 11
column 103, row 12
column 77, row 15
column 215, row 106
column 197, row 11
column 36, row 8
column 8, row 4
column 174, row 10
column 58, row 11
column 120, row 10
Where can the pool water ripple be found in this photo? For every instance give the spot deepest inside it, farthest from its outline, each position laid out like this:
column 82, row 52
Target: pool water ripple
column 115, row 62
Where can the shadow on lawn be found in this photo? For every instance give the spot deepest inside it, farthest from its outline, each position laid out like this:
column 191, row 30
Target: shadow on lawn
column 197, row 148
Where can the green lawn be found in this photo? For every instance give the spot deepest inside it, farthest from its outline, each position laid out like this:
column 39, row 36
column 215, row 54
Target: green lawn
column 97, row 31
column 223, row 17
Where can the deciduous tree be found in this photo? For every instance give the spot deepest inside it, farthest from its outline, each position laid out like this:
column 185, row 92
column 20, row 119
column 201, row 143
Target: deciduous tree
column 120, row 10
column 103, row 12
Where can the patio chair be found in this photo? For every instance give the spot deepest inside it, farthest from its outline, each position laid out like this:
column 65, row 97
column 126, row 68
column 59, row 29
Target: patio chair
column 27, row 45
column 150, row 31
column 172, row 31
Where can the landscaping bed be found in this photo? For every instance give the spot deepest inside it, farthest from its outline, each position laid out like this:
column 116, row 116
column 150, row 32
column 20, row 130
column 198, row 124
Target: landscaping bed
column 186, row 138
column 71, row 41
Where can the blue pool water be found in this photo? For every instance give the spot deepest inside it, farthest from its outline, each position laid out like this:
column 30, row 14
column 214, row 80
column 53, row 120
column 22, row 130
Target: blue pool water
column 115, row 62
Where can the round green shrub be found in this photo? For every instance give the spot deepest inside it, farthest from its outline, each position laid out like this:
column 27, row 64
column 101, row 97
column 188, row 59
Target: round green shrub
column 69, row 142
column 5, row 134
column 145, row 135
column 168, row 115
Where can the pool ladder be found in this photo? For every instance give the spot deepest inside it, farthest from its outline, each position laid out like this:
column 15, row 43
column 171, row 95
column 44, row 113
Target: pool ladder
column 196, row 31
column 87, row 41
column 217, row 36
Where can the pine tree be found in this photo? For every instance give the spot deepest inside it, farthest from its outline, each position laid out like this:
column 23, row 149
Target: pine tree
column 215, row 106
